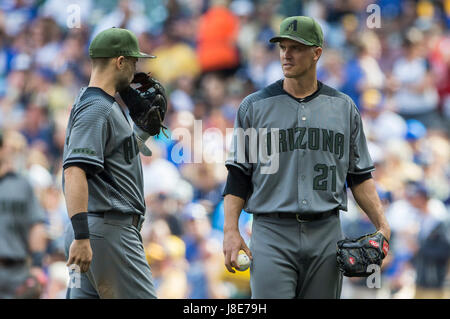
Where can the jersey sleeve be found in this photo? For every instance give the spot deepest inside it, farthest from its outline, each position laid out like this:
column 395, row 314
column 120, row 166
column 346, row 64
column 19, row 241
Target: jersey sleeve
column 238, row 154
column 360, row 160
column 87, row 138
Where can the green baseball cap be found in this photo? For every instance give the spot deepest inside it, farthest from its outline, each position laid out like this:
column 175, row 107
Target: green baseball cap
column 301, row 29
column 115, row 42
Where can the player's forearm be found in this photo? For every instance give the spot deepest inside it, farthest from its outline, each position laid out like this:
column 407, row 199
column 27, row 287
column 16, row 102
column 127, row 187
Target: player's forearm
column 367, row 198
column 37, row 238
column 233, row 206
column 76, row 190
column 37, row 242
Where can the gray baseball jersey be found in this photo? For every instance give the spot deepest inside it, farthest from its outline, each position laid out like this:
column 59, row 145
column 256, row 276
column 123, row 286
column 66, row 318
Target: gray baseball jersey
column 99, row 134
column 300, row 150
column 19, row 210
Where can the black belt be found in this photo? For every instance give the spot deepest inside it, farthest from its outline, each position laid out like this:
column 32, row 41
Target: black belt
column 304, row 217
column 135, row 219
column 9, row 262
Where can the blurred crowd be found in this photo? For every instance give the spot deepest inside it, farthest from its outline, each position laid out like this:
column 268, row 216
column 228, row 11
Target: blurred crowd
column 210, row 55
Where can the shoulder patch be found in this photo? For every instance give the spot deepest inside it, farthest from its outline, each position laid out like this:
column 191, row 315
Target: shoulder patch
column 86, row 151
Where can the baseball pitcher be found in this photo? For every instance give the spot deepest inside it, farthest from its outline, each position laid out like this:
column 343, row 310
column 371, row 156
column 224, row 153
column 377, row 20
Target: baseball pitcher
column 314, row 133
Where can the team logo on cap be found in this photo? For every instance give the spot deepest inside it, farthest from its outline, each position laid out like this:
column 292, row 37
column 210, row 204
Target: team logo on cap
column 292, row 26
column 351, row 260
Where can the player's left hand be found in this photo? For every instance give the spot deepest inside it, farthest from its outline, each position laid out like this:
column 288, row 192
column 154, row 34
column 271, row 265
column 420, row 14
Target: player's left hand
column 354, row 256
column 39, row 274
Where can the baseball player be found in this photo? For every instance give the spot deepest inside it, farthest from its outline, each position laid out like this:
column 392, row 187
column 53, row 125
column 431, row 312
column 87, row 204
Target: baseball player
column 315, row 134
column 103, row 182
column 23, row 237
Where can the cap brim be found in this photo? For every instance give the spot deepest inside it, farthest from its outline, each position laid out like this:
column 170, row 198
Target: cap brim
column 282, row 37
column 143, row 55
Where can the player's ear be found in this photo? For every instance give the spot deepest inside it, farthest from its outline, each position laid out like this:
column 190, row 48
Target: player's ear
column 317, row 53
column 120, row 62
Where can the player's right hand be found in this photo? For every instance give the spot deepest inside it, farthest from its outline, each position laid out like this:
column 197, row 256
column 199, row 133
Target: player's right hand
column 232, row 244
column 80, row 254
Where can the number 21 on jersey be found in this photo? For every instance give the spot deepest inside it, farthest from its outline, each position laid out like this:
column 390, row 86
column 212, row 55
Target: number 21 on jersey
column 320, row 181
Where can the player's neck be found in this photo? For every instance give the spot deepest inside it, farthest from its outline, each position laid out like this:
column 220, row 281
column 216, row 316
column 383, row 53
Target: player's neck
column 301, row 87
column 103, row 81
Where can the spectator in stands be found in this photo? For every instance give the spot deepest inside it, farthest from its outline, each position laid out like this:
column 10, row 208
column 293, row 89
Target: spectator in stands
column 432, row 250
column 415, row 94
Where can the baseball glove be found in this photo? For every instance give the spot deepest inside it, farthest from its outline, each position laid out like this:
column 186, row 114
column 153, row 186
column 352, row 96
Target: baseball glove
column 147, row 103
column 355, row 255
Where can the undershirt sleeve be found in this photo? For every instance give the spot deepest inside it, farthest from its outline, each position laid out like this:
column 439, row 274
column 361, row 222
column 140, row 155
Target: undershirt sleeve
column 355, row 179
column 238, row 183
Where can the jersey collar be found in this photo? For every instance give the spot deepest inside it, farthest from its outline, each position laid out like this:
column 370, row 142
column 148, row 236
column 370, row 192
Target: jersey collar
column 102, row 92
column 305, row 99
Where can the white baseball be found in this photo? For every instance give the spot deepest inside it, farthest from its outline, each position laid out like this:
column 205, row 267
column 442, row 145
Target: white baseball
column 243, row 262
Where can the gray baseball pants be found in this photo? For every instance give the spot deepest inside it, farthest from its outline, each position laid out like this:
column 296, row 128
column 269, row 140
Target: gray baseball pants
column 119, row 268
column 293, row 259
